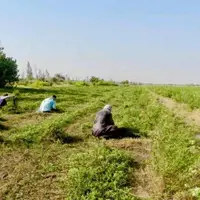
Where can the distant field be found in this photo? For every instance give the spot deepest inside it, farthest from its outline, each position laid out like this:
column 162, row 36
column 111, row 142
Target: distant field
column 54, row 156
column 187, row 94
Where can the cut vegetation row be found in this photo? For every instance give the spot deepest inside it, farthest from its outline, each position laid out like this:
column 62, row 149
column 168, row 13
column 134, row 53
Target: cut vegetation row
column 159, row 165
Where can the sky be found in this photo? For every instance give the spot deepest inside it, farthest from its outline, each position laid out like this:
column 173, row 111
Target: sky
column 155, row 41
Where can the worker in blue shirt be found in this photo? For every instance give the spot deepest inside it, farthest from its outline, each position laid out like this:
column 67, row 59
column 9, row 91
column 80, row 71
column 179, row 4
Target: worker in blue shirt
column 48, row 105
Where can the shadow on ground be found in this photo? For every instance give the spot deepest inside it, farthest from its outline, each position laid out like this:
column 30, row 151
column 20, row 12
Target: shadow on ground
column 48, row 91
column 71, row 139
column 65, row 138
column 2, row 119
column 3, row 127
column 126, row 132
column 135, row 131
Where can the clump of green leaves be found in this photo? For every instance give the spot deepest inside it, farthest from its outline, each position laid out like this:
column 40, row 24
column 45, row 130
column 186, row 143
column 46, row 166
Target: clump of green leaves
column 101, row 173
column 186, row 94
column 8, row 70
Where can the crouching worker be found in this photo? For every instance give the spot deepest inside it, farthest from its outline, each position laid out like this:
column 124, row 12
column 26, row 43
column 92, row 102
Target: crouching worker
column 3, row 99
column 48, row 104
column 104, row 126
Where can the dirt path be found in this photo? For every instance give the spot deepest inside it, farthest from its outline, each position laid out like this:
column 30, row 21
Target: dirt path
column 181, row 110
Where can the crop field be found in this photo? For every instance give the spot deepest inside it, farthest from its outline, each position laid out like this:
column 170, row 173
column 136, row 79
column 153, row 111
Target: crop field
column 187, row 94
column 54, row 156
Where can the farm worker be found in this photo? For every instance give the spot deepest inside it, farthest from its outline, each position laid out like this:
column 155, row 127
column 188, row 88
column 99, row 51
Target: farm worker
column 48, row 104
column 3, row 98
column 104, row 125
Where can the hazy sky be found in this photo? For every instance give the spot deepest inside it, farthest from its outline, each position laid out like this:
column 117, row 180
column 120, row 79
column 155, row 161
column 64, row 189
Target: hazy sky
column 145, row 40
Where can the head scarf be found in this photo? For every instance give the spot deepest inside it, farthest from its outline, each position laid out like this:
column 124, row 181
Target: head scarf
column 108, row 107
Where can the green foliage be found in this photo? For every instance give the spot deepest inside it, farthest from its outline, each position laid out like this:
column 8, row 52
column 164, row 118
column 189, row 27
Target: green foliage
column 24, row 82
column 39, row 83
column 106, row 83
column 8, row 70
column 189, row 95
column 97, row 81
column 101, row 173
column 16, row 92
column 94, row 80
column 195, row 192
column 174, row 151
column 126, row 82
column 80, row 83
column 174, row 156
column 58, row 78
column 36, row 83
column 29, row 71
column 52, row 129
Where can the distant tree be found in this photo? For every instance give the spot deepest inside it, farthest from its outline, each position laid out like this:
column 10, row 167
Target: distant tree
column 67, row 77
column 41, row 75
column 133, row 83
column 8, row 69
column 36, row 72
column 47, row 75
column 87, row 79
column 22, row 75
column 1, row 49
column 29, row 71
column 94, row 79
column 58, row 78
column 126, row 82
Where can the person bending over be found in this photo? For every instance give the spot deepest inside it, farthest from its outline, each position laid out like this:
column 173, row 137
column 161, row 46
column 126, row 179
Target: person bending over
column 104, row 125
column 3, row 99
column 48, row 104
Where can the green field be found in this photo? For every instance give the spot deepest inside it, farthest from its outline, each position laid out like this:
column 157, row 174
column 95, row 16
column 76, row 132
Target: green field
column 54, row 156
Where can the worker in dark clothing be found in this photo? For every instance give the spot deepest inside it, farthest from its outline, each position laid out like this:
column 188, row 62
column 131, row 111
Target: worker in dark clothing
column 104, row 125
column 3, row 99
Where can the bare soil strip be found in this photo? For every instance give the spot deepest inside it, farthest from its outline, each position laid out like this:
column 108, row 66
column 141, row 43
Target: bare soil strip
column 181, row 110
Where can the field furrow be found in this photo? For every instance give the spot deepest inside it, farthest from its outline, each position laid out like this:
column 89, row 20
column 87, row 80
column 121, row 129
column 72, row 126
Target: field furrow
column 181, row 110
column 185, row 94
column 56, row 157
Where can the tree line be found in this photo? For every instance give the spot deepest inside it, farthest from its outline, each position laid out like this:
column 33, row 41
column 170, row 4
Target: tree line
column 9, row 75
column 9, row 72
column 42, row 75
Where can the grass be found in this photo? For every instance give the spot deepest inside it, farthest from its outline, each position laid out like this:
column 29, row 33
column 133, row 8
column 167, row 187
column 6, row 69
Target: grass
column 187, row 94
column 100, row 173
column 54, row 156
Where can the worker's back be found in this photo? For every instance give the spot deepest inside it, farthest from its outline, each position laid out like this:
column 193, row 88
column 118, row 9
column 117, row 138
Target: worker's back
column 103, row 119
column 2, row 102
column 3, row 99
column 47, row 105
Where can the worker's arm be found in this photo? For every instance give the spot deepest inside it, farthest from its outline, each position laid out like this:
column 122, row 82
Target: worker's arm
column 53, row 105
column 6, row 97
column 111, row 120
